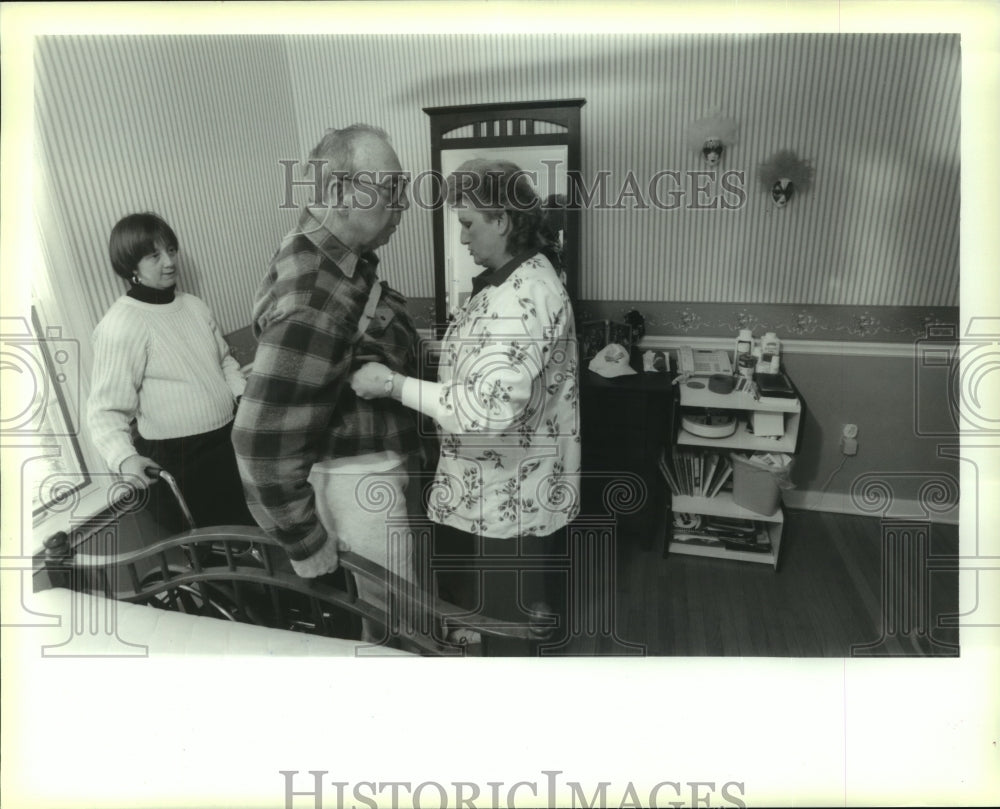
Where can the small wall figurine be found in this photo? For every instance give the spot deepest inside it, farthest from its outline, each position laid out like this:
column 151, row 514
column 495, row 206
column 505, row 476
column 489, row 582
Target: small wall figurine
column 784, row 173
column 635, row 321
column 711, row 135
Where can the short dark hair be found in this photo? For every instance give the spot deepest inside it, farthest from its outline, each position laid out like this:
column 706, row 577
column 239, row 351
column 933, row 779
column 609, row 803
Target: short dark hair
column 135, row 236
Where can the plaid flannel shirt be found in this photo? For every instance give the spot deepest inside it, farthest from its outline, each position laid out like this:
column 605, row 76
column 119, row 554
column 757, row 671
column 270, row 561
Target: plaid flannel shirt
column 298, row 406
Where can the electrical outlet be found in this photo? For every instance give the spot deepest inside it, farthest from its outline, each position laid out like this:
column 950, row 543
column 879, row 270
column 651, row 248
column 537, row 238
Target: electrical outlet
column 849, row 439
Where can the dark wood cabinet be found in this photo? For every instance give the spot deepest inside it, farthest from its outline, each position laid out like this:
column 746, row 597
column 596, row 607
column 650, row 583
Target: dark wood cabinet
column 625, row 422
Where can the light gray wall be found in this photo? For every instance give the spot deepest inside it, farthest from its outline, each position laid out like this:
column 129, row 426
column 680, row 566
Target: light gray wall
column 897, row 405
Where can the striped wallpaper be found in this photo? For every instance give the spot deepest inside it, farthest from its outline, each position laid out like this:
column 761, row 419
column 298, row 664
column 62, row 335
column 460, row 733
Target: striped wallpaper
column 194, row 127
column 190, row 128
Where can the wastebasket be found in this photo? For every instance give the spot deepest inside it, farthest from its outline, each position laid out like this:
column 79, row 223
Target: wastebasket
column 758, row 480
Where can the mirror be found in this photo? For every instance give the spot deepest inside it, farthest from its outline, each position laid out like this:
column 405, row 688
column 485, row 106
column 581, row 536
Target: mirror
column 541, row 137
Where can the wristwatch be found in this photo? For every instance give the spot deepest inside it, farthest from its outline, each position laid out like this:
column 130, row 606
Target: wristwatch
column 389, row 382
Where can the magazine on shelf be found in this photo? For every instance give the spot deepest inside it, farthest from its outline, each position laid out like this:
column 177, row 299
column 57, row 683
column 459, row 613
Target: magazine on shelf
column 679, row 470
column 711, row 462
column 668, row 474
column 724, row 471
column 732, row 534
column 695, row 473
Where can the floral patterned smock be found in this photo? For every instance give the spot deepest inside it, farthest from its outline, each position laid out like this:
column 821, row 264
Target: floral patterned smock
column 509, row 408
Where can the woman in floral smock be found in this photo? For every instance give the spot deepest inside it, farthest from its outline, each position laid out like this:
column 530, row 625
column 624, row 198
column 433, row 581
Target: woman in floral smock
column 506, row 404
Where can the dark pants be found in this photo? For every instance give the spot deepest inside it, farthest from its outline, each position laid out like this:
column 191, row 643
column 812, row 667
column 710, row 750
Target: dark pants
column 205, row 469
column 507, row 579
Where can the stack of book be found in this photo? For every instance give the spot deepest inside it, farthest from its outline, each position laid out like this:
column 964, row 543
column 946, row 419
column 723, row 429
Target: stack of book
column 695, row 472
column 731, row 534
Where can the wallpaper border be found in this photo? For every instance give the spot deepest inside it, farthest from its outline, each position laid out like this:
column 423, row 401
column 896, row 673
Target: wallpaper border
column 887, row 324
column 845, row 324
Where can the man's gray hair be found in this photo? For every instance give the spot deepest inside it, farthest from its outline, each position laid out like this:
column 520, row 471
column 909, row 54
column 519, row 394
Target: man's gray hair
column 336, row 149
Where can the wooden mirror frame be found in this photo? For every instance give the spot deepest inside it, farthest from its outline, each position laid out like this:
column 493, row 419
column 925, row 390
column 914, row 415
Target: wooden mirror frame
column 506, row 126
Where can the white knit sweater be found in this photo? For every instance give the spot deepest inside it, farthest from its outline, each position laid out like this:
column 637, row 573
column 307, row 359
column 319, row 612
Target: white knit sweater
column 167, row 365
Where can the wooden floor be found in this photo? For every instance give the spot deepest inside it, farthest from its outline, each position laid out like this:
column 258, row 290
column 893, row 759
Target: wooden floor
column 825, row 599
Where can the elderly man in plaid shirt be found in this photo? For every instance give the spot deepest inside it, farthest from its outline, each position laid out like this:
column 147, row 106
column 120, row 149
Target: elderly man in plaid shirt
column 308, row 449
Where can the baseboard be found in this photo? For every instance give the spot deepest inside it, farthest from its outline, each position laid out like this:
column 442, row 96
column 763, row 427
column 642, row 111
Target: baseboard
column 841, row 503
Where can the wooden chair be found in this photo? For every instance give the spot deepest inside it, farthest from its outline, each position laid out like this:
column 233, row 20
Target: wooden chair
column 238, row 573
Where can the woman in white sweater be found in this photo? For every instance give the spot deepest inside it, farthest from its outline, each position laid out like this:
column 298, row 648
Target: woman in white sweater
column 160, row 360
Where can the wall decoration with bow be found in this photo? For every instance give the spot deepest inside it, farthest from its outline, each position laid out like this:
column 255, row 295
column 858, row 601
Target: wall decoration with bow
column 784, row 173
column 711, row 135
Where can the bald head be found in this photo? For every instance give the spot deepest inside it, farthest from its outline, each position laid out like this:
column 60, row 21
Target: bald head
column 337, row 150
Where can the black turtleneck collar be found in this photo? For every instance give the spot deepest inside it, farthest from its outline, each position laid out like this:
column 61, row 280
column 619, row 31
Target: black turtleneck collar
column 150, row 295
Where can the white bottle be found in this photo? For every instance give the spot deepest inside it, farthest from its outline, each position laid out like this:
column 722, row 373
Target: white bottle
column 744, row 343
column 771, row 345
